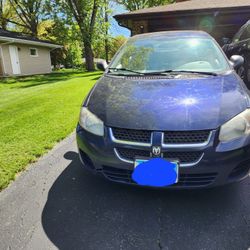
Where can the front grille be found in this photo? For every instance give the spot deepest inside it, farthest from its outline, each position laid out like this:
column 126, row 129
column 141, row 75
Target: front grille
column 130, row 154
column 132, row 135
column 185, row 137
column 170, row 137
column 183, row 157
column 190, row 180
column 116, row 174
column 185, row 180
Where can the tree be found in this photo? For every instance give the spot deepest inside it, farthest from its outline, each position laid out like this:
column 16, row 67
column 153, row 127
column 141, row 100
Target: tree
column 114, row 44
column 85, row 13
column 5, row 13
column 117, row 42
column 29, row 14
column 106, row 19
column 66, row 34
column 140, row 4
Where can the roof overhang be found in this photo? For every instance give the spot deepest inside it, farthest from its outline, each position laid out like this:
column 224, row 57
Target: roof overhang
column 126, row 16
column 29, row 42
column 191, row 7
column 225, row 20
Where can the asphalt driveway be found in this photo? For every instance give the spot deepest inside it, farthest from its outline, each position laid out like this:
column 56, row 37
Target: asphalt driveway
column 57, row 205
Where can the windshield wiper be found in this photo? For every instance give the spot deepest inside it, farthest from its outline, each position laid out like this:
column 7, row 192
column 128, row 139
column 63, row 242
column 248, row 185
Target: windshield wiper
column 124, row 69
column 164, row 72
column 188, row 71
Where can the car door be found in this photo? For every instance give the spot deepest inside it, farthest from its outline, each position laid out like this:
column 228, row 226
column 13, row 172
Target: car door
column 235, row 47
column 244, row 50
column 241, row 46
column 244, row 41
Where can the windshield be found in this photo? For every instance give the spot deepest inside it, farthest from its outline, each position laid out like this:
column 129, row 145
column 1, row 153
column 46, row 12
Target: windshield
column 243, row 33
column 163, row 53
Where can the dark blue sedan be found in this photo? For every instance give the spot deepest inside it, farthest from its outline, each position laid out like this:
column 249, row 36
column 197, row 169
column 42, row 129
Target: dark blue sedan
column 169, row 105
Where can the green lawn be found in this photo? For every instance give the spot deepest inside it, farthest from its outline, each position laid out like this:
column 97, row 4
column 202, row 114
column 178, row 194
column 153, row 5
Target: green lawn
column 35, row 113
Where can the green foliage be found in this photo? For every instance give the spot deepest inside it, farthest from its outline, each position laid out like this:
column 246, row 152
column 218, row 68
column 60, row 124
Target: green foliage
column 114, row 43
column 28, row 15
column 140, row 4
column 74, row 55
column 69, row 36
column 85, row 13
column 6, row 12
column 80, row 26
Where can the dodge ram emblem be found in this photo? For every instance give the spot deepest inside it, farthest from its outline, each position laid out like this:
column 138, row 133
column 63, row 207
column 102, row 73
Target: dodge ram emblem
column 156, row 150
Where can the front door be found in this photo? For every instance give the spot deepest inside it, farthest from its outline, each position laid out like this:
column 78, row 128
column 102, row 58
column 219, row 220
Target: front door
column 14, row 60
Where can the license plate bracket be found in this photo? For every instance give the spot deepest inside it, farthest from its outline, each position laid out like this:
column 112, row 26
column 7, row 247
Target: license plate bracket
column 174, row 163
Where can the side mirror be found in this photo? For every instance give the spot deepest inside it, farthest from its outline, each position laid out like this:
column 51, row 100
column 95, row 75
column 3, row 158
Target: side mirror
column 236, row 61
column 102, row 65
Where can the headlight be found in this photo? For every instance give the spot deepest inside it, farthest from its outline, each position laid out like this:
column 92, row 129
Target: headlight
column 237, row 127
column 90, row 122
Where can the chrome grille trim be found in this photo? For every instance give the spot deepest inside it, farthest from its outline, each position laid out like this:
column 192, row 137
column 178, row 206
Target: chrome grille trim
column 164, row 146
column 122, row 159
column 190, row 164
column 144, row 144
column 186, row 145
column 186, row 136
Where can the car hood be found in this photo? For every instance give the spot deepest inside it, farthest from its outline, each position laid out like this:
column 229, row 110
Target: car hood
column 179, row 103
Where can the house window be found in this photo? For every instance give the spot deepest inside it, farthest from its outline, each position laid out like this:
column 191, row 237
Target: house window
column 33, row 52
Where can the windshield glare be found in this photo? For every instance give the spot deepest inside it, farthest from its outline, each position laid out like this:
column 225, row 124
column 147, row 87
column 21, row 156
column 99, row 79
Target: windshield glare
column 155, row 54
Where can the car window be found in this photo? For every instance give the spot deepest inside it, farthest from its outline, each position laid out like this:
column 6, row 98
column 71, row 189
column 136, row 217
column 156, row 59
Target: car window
column 238, row 35
column 246, row 33
column 149, row 54
column 243, row 33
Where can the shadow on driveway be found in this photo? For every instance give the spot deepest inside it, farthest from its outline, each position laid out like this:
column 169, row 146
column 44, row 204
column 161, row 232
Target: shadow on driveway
column 87, row 212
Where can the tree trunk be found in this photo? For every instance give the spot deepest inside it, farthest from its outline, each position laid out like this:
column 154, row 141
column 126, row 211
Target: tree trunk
column 89, row 56
column 106, row 33
column 106, row 51
column 33, row 29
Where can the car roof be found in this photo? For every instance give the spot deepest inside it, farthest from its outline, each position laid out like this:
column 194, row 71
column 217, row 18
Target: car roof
column 179, row 33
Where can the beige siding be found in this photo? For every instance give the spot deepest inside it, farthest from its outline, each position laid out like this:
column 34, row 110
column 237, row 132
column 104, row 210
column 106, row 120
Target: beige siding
column 29, row 64
column 34, row 65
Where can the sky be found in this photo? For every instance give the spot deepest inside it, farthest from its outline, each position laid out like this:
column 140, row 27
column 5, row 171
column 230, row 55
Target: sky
column 116, row 29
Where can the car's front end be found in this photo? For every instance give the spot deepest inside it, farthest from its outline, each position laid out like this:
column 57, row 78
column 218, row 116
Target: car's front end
column 202, row 164
column 201, row 121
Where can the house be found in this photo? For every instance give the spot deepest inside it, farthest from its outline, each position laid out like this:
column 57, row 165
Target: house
column 23, row 55
column 220, row 18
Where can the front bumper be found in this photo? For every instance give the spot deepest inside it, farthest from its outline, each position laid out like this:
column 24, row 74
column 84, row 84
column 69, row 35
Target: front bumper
column 219, row 165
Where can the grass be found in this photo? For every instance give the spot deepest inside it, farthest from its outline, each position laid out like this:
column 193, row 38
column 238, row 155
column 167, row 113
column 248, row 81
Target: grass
column 35, row 113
